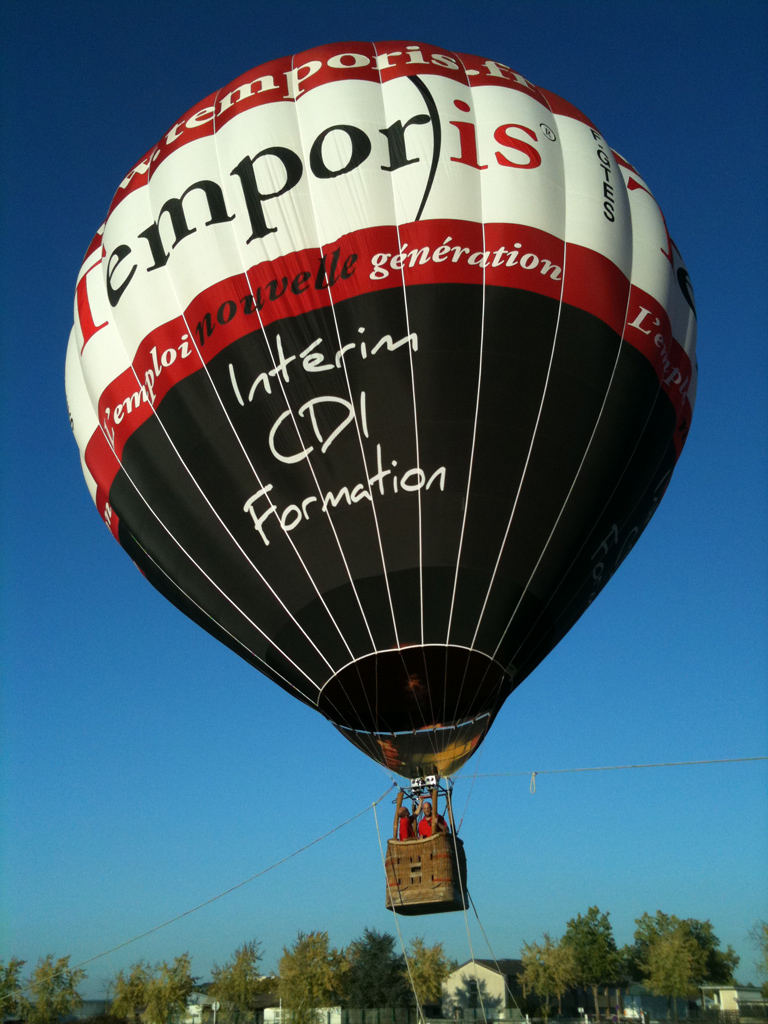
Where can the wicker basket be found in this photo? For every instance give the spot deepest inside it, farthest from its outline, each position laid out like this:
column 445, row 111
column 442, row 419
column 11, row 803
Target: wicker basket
column 426, row 876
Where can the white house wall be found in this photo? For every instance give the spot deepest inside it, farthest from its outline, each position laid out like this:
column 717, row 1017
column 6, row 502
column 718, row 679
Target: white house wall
column 490, row 983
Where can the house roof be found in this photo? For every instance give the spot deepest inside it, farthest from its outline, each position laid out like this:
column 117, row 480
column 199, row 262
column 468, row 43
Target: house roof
column 265, row 1000
column 730, row 988
column 509, row 968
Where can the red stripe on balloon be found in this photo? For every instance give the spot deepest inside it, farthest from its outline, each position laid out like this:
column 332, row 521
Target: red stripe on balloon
column 428, row 252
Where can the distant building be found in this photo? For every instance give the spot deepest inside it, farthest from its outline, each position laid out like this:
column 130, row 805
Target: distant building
column 639, row 1003
column 483, row 989
column 725, row 1001
column 326, row 1015
column 198, row 1004
column 203, row 1008
column 746, row 1000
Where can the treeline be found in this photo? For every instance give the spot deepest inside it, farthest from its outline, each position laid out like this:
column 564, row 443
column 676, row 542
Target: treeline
column 368, row 973
column 671, row 956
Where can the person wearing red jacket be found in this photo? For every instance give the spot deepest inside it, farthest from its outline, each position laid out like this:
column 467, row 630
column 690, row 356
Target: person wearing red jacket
column 406, row 821
column 425, row 825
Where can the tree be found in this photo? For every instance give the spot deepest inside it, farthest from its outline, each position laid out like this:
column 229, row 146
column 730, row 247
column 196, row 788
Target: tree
column 238, row 982
column 759, row 937
column 377, row 975
column 534, row 977
column 9, row 987
column 130, row 998
column 721, row 963
column 311, row 976
column 715, row 967
column 596, row 961
column 675, row 962
column 549, row 969
column 563, row 968
column 648, row 929
column 429, row 969
column 53, row 991
column 167, row 990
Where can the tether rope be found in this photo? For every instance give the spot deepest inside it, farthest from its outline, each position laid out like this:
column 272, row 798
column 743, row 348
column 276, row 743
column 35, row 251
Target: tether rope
column 493, row 956
column 397, row 923
column 464, row 895
column 226, row 892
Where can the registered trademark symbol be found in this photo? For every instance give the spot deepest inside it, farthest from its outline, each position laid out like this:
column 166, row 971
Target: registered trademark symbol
column 547, row 131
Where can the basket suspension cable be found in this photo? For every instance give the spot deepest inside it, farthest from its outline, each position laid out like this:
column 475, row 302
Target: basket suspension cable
column 397, row 923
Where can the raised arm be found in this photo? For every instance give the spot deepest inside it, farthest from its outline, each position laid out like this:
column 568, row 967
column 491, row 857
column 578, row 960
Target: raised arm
column 398, row 805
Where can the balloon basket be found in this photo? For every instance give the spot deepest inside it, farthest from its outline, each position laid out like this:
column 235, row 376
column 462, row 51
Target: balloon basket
column 426, row 876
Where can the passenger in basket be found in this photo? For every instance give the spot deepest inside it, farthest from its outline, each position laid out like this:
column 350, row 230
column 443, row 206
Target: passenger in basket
column 406, row 823
column 425, row 825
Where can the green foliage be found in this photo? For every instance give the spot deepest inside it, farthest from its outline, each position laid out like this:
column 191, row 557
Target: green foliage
column 238, row 982
column 167, row 990
column 130, row 993
column 311, row 976
column 429, row 969
column 596, row 960
column 52, row 991
column 549, row 969
column 675, row 962
column 721, row 963
column 9, row 987
column 715, row 966
column 595, row 957
column 153, row 994
column 377, row 975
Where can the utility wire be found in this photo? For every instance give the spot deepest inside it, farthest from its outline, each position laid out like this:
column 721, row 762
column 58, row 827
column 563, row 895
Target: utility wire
column 611, row 768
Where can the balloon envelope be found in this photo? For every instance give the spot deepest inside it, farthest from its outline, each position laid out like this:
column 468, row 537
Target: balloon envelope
column 381, row 363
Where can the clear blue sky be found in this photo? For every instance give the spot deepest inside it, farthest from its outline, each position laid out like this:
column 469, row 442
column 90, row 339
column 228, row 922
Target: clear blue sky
column 144, row 768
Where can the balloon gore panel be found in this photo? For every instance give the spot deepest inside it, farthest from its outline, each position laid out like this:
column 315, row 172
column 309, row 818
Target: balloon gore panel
column 382, row 400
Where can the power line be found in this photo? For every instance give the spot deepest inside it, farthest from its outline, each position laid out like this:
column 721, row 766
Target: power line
column 611, row 768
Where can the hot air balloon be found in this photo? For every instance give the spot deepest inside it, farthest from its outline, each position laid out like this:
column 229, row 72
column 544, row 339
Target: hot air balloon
column 381, row 362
